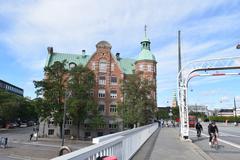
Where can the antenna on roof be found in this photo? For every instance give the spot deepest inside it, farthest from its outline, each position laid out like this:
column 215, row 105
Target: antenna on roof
column 145, row 30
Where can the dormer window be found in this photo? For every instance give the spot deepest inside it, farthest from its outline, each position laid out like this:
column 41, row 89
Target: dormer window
column 72, row 65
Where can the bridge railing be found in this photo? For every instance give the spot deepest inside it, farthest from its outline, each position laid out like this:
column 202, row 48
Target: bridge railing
column 123, row 145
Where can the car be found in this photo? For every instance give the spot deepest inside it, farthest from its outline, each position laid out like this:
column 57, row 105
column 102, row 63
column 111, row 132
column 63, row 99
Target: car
column 10, row 125
column 23, row 125
column 30, row 123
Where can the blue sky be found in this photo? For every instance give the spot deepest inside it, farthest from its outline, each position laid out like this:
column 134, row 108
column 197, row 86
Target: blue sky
column 210, row 29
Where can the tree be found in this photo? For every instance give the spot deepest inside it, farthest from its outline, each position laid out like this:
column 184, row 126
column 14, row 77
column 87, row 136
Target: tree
column 13, row 107
column 138, row 104
column 162, row 113
column 175, row 112
column 53, row 89
column 9, row 106
column 81, row 104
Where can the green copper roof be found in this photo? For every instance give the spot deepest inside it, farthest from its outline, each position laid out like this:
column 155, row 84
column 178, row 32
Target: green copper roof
column 146, row 54
column 127, row 65
column 71, row 58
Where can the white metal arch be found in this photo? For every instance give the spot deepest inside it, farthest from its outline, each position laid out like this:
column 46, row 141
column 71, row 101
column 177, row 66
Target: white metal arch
column 188, row 72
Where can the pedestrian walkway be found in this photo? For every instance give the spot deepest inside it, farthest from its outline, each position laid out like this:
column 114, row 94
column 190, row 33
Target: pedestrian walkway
column 165, row 144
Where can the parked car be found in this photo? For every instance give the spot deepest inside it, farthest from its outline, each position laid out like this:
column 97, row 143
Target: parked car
column 22, row 125
column 30, row 123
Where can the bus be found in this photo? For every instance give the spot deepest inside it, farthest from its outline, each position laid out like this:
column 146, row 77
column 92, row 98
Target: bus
column 192, row 121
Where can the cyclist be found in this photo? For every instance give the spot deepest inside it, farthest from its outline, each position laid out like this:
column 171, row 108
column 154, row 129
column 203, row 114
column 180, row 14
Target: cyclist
column 199, row 128
column 212, row 131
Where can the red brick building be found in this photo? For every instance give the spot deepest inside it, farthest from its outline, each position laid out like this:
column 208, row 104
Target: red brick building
column 109, row 70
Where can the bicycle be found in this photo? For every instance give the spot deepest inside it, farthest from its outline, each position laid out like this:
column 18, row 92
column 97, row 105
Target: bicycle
column 198, row 133
column 214, row 141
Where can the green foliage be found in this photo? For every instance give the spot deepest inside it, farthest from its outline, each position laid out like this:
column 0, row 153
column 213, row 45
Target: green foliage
column 13, row 107
column 53, row 88
column 162, row 113
column 72, row 86
column 199, row 115
column 175, row 112
column 81, row 105
column 138, row 105
column 224, row 119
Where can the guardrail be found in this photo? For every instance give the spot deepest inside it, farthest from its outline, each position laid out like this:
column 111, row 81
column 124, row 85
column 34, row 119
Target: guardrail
column 123, row 145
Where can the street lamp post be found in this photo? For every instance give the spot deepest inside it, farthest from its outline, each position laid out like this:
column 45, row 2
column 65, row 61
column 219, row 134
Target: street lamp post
column 66, row 95
column 235, row 110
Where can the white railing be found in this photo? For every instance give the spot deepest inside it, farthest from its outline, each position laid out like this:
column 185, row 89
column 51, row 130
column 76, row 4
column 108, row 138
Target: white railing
column 123, row 145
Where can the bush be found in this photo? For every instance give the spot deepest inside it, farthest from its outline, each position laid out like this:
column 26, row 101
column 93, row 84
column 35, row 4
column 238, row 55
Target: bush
column 223, row 118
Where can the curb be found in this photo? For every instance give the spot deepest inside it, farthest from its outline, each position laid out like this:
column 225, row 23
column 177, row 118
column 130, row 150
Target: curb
column 199, row 151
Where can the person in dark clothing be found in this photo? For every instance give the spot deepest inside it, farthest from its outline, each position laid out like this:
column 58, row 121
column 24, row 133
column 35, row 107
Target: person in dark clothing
column 31, row 135
column 212, row 131
column 199, row 128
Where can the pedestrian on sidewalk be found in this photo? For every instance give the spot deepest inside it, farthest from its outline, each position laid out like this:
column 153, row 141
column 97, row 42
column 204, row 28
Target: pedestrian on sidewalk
column 31, row 135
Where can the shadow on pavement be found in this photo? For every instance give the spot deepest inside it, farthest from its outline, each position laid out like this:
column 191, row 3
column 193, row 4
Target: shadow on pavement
column 198, row 139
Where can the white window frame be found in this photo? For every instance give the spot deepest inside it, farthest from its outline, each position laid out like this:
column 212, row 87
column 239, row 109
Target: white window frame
column 113, row 95
column 102, row 80
column 101, row 93
column 113, row 109
column 103, row 65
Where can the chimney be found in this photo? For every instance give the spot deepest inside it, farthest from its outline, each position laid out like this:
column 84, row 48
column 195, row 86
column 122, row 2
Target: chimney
column 118, row 56
column 83, row 52
column 50, row 50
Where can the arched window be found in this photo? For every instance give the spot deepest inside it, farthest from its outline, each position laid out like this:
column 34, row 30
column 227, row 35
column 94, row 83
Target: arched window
column 72, row 65
column 102, row 65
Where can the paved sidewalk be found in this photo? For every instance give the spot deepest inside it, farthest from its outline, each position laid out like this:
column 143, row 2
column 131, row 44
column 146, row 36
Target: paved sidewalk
column 168, row 146
column 165, row 144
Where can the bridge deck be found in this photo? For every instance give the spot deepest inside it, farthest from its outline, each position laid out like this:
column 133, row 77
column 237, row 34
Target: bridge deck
column 165, row 144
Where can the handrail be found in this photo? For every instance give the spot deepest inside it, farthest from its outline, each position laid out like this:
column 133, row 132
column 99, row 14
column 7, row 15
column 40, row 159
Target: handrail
column 123, row 145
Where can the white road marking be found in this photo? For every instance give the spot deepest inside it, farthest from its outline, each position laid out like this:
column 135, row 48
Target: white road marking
column 36, row 144
column 221, row 140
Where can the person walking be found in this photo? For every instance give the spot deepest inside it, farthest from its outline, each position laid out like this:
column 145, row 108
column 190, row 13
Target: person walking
column 199, row 128
column 31, row 135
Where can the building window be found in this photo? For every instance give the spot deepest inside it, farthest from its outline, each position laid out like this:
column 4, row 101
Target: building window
column 102, row 80
column 68, row 122
column 101, row 93
column 113, row 94
column 150, row 68
column 87, row 134
column 112, row 126
column 67, row 131
column 72, row 65
column 86, row 125
column 101, row 108
column 141, row 67
column 51, row 132
column 112, row 67
column 102, row 65
column 91, row 93
column 113, row 108
column 93, row 66
column 113, row 80
column 99, row 134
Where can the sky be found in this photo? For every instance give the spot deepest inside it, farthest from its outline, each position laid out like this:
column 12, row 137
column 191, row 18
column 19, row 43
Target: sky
column 209, row 29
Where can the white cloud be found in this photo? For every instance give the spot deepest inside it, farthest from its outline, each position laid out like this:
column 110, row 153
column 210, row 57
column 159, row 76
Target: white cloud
column 73, row 25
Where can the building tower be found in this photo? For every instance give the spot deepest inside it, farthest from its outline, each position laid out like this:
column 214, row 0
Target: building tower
column 146, row 62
